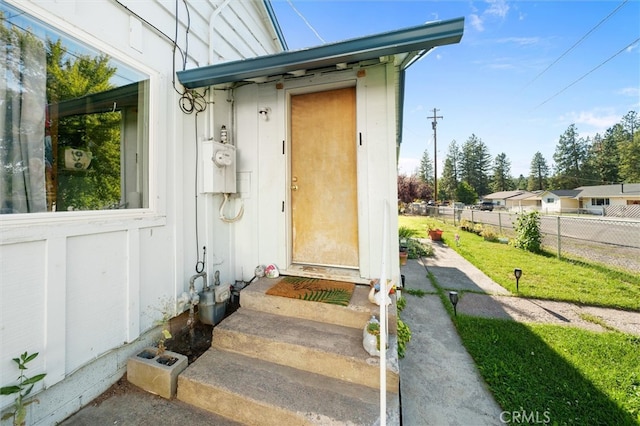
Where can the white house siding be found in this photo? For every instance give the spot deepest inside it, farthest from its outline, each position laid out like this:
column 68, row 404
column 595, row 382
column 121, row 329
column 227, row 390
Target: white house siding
column 80, row 288
column 261, row 237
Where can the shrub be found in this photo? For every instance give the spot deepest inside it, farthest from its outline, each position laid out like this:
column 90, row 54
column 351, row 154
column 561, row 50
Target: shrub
column 416, row 249
column 401, row 303
column 528, row 236
column 489, row 233
column 466, row 225
column 406, row 232
column 404, row 335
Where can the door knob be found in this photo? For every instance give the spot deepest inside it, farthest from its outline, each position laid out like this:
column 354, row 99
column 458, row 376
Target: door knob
column 294, row 187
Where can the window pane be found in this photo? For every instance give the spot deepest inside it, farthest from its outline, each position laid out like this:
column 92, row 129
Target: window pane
column 73, row 123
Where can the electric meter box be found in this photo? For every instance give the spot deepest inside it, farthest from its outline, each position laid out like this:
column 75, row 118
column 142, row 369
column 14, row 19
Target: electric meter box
column 218, row 168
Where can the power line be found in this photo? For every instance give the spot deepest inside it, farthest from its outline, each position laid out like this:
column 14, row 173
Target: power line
column 601, row 64
column 577, row 43
column 305, row 21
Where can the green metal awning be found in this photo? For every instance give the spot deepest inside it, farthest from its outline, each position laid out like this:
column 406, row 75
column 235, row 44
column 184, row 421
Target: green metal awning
column 415, row 40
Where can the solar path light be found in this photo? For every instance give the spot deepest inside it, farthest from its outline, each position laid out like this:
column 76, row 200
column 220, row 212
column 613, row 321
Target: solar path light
column 453, row 297
column 518, row 273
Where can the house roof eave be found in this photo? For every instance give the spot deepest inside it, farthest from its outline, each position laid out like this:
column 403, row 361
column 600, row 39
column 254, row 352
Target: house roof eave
column 420, row 38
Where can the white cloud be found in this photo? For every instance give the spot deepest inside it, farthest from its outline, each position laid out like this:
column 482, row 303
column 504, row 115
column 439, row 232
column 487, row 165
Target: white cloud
column 629, row 91
column 476, row 22
column 498, row 8
column 520, row 41
column 501, row 66
column 598, row 120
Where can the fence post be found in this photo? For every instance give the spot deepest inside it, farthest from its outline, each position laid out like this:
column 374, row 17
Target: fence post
column 472, row 220
column 559, row 237
column 500, row 222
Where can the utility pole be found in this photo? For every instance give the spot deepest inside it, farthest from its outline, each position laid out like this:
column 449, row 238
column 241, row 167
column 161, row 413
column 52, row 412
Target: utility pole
column 434, row 123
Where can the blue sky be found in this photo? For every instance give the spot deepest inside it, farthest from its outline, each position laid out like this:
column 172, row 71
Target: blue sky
column 494, row 83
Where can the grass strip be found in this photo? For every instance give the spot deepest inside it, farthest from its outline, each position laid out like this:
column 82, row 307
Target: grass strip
column 544, row 275
column 570, row 375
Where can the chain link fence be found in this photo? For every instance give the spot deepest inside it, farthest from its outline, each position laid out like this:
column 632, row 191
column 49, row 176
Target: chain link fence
column 610, row 241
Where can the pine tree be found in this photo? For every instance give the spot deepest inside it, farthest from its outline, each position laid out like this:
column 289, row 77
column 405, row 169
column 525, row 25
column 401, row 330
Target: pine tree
column 448, row 182
column 538, row 174
column 520, row 182
column 425, row 172
column 475, row 164
column 604, row 157
column 569, row 157
column 629, row 149
column 629, row 170
column 502, row 180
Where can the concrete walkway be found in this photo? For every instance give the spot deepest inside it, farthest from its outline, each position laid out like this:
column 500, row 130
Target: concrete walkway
column 439, row 383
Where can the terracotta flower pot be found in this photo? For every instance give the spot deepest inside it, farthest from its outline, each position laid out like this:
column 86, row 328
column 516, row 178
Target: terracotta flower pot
column 435, row 234
column 403, row 258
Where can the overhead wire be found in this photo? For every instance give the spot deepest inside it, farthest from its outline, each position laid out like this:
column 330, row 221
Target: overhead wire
column 592, row 70
column 305, row 21
column 566, row 52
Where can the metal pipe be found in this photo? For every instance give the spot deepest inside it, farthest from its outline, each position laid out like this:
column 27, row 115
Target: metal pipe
column 192, row 286
column 212, row 19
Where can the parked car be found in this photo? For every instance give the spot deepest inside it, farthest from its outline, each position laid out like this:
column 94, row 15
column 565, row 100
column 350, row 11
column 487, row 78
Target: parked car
column 486, row 205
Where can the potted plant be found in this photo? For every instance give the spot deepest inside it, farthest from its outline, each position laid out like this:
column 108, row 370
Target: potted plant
column 371, row 337
column 434, row 232
column 404, row 235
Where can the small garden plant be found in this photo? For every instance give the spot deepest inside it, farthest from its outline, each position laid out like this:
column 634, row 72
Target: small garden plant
column 23, row 388
column 404, row 335
column 528, row 236
column 166, row 309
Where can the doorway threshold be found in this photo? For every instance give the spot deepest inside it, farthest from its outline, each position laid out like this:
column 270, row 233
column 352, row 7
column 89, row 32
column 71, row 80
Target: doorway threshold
column 326, row 272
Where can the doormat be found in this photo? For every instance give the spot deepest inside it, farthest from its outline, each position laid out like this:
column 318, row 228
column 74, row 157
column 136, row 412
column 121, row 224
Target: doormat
column 313, row 289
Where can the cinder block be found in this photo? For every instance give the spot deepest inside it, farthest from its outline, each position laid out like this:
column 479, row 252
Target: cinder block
column 155, row 373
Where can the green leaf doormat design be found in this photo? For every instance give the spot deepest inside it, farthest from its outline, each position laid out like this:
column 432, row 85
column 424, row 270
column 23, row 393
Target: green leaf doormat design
column 313, row 289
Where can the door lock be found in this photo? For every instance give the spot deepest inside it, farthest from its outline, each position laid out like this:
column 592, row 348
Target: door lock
column 294, row 187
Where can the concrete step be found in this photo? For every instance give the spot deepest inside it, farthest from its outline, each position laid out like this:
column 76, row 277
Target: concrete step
column 256, row 392
column 355, row 315
column 328, row 349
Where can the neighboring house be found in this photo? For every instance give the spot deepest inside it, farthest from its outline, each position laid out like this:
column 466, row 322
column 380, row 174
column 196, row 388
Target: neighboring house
column 105, row 221
column 500, row 199
column 524, row 201
column 559, row 201
column 621, row 199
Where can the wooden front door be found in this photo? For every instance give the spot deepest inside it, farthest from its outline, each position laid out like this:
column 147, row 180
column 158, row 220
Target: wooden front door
column 324, row 198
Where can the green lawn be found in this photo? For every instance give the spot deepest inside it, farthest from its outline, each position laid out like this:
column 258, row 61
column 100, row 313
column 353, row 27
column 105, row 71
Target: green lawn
column 544, row 275
column 572, row 375
column 547, row 373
